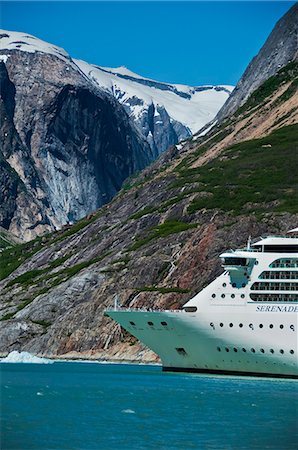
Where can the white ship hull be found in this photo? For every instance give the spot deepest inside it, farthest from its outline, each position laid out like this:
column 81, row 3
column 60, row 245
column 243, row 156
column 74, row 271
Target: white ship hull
column 247, row 350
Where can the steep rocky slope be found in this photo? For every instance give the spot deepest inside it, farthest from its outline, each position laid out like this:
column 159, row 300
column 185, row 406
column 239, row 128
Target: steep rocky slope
column 72, row 132
column 157, row 243
column 280, row 48
column 66, row 146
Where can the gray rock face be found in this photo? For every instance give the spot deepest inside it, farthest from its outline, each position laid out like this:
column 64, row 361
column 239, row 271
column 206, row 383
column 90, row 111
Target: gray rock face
column 280, row 48
column 67, row 146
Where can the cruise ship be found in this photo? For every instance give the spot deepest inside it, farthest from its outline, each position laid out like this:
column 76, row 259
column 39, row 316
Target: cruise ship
column 242, row 323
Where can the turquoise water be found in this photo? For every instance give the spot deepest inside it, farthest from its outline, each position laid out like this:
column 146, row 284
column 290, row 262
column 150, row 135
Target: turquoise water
column 107, row 406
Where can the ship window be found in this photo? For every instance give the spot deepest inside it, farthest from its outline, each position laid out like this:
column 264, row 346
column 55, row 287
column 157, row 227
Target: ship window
column 271, row 350
column 240, row 325
column 222, row 295
column 279, row 275
column 281, row 327
column 242, row 295
column 132, row 323
column 292, row 352
column 253, row 350
column 230, row 325
column 164, row 324
column 224, row 284
column 190, row 309
column 227, row 350
column 261, row 325
column 285, row 262
column 230, row 261
column 271, row 325
column 262, row 350
column 233, row 295
column 281, row 351
column 274, row 286
column 151, row 324
column 234, row 284
column 281, row 248
column 213, row 295
column 218, row 349
column 221, row 324
column 273, row 297
column 244, row 350
column 181, row 351
column 235, row 350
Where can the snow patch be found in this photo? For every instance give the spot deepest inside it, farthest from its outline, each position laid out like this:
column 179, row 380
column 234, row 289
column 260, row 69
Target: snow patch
column 4, row 58
column 25, row 357
column 14, row 40
column 194, row 110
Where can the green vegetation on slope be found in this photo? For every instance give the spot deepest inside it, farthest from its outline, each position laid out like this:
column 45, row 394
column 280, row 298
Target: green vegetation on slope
column 12, row 258
column 251, row 174
column 162, row 230
column 284, row 75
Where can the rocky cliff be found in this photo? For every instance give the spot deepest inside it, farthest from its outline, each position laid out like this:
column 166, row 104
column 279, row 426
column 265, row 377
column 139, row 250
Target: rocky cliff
column 66, row 147
column 280, row 48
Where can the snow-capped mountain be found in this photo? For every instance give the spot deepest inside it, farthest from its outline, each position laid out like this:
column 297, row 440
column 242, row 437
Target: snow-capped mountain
column 164, row 113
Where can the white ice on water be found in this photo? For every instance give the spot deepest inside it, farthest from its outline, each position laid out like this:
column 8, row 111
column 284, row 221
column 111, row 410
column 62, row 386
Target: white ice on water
column 24, row 357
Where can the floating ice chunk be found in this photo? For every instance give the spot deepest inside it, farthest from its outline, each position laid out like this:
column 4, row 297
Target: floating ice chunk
column 25, row 357
column 128, row 411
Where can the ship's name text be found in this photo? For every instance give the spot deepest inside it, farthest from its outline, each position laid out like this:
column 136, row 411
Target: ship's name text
column 276, row 308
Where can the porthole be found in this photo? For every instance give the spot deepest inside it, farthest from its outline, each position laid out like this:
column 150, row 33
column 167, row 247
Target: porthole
column 292, row 352
column 218, row 349
column 231, row 325
column 271, row 325
column 190, row 309
column 234, row 284
column 242, row 296
column 150, row 323
column 233, row 295
column 262, row 350
column 281, row 326
column 244, row 350
column 240, row 325
column 222, row 295
column 271, row 350
column 256, row 263
column 221, row 324
column 132, row 323
column 227, row 350
column 224, row 284
column 213, row 295
column 235, row 350
column 261, row 325
column 281, row 351
column 252, row 350
column 164, row 324
column 243, row 284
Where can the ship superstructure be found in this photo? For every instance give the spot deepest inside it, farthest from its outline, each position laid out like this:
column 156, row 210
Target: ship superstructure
column 244, row 322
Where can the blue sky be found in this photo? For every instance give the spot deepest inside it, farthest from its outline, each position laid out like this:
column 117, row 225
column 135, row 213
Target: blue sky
column 181, row 42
